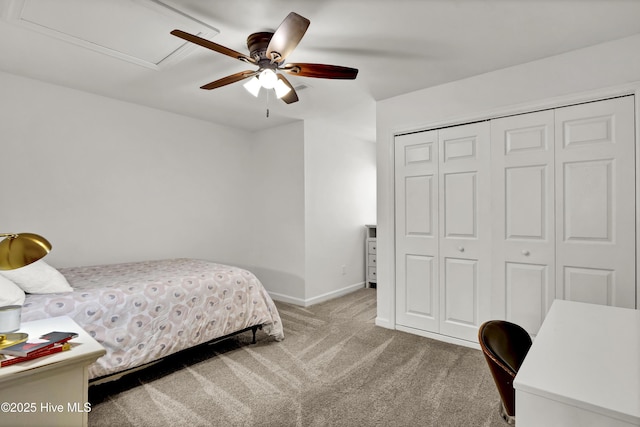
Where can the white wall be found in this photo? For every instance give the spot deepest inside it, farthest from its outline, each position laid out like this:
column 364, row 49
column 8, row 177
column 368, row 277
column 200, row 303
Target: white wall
column 314, row 190
column 573, row 75
column 276, row 252
column 106, row 181
column 339, row 200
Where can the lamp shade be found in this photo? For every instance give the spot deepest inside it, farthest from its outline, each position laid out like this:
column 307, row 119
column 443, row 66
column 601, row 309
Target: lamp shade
column 18, row 250
column 253, row 86
column 268, row 78
column 281, row 89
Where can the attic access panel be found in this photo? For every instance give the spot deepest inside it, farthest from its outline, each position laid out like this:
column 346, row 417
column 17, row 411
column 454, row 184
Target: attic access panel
column 132, row 30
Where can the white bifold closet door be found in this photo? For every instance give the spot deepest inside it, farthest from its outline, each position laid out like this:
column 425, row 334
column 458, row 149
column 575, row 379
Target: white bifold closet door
column 595, row 210
column 563, row 209
column 417, row 251
column 465, row 229
column 524, row 236
column 443, row 251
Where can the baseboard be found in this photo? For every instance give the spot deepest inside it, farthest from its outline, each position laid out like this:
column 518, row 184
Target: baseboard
column 286, row 298
column 439, row 337
column 384, row 323
column 317, row 299
column 334, row 294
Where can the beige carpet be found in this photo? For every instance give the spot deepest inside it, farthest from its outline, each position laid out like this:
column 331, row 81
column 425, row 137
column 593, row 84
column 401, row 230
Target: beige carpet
column 334, row 368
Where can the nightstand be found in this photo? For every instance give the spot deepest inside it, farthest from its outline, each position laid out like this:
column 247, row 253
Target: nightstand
column 50, row 390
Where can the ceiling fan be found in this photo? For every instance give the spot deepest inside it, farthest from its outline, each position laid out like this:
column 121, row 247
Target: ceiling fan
column 268, row 51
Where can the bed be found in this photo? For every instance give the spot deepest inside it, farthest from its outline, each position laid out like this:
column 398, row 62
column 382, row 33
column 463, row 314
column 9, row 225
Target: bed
column 143, row 311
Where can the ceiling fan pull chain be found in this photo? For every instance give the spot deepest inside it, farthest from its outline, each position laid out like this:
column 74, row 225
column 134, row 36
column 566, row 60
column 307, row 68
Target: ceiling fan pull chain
column 267, row 103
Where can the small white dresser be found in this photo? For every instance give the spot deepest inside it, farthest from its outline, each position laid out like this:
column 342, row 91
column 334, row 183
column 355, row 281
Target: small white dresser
column 370, row 251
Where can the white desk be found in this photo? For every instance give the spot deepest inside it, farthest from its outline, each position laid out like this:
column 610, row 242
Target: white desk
column 583, row 369
column 50, row 390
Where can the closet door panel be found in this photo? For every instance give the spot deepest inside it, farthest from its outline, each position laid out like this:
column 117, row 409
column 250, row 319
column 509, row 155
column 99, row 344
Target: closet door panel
column 525, row 196
column 418, row 199
column 527, row 293
column 420, row 282
column 460, row 205
column 523, row 218
column 465, row 262
column 588, row 189
column 595, row 193
column 590, row 285
column 461, row 291
column 417, row 290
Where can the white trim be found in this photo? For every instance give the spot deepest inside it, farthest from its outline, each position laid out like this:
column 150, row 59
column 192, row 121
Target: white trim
column 318, row 299
column 12, row 12
column 286, row 298
column 637, row 134
column 439, row 337
column 384, row 323
column 386, row 270
column 334, row 294
column 527, row 107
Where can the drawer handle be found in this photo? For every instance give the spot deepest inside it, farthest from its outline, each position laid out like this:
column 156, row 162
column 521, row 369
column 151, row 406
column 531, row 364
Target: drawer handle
column 461, row 248
column 526, row 252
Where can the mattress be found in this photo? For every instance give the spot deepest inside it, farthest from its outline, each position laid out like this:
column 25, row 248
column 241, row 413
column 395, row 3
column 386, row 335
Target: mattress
column 143, row 311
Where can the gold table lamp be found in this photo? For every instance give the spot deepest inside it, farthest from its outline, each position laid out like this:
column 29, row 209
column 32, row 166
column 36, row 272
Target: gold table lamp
column 18, row 250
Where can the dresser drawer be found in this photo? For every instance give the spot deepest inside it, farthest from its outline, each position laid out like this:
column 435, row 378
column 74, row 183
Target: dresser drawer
column 372, row 247
column 372, row 260
column 372, row 274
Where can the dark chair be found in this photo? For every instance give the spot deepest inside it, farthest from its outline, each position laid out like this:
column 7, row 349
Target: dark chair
column 505, row 346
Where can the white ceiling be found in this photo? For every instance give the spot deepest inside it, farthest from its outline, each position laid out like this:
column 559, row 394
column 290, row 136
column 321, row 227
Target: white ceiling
column 122, row 48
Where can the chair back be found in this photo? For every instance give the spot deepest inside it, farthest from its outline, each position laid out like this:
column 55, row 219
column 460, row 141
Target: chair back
column 504, row 345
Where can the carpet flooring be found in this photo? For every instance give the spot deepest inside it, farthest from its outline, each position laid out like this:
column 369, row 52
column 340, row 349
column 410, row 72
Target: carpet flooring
column 334, row 368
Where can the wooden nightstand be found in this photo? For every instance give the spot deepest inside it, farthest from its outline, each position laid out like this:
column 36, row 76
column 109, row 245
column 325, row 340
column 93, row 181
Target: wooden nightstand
column 51, row 390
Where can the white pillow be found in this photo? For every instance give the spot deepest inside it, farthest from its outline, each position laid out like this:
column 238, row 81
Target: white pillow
column 38, row 278
column 10, row 293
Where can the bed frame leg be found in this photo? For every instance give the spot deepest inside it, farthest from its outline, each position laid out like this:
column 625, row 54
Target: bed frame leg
column 254, row 329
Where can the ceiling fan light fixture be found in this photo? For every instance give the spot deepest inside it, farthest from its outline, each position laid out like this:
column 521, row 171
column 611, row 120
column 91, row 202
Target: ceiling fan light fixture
column 281, row 89
column 268, row 78
column 253, row 86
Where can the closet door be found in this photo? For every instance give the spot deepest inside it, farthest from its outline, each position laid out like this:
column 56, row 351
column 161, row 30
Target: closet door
column 522, row 162
column 465, row 229
column 595, row 210
column 416, row 190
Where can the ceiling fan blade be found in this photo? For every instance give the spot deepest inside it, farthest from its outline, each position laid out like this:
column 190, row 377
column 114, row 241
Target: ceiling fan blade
column 213, row 46
column 229, row 79
column 321, row 71
column 286, row 37
column 290, row 97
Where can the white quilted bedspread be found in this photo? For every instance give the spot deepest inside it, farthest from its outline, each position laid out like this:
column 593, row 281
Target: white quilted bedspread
column 143, row 311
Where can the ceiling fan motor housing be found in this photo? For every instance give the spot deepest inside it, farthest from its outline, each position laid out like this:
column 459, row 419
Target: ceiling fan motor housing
column 257, row 44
